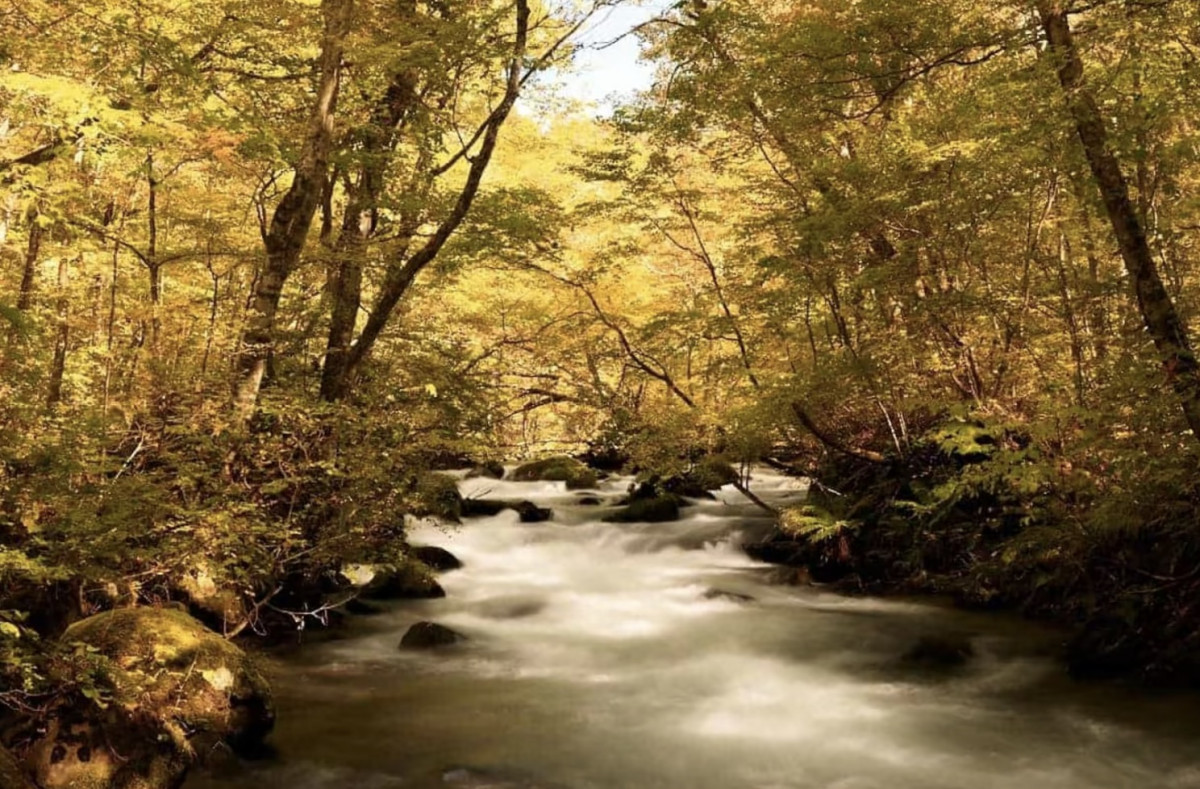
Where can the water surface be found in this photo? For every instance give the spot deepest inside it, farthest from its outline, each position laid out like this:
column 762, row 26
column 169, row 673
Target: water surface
column 600, row 659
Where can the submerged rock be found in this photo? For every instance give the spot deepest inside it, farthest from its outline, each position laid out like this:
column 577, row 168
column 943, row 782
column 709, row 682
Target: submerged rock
column 430, row 635
column 529, row 512
column 361, row 607
column 179, row 692
column 589, row 501
column 940, row 652
column 557, row 469
column 512, row 607
column 435, row 558
column 723, row 594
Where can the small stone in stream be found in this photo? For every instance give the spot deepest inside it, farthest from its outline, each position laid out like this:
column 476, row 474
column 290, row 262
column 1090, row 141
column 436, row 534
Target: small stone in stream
column 435, row 558
column 721, row 594
column 482, row 508
column 940, row 652
column 430, row 635
column 532, row 513
column 588, row 501
column 514, row 607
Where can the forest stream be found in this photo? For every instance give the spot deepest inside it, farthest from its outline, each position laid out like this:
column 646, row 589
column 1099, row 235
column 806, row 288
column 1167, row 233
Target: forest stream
column 609, row 656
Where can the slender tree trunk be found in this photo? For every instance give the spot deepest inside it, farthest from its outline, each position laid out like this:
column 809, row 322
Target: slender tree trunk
column 62, row 337
column 293, row 217
column 29, row 271
column 1163, row 321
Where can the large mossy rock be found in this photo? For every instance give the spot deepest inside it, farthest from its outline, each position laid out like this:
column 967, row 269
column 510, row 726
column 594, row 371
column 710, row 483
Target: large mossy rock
column 656, row 509
column 436, row 495
column 179, row 694
column 409, row 580
column 489, row 469
column 557, row 469
column 706, row 475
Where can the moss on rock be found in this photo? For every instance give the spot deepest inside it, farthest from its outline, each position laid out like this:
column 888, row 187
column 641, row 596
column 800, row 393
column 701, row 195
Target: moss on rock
column 557, row 469
column 179, row 692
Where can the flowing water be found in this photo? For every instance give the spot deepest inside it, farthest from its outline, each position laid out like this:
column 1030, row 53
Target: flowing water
column 600, row 658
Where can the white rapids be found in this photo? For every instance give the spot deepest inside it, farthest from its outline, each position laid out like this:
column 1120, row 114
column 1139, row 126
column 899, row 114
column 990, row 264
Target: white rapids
column 606, row 656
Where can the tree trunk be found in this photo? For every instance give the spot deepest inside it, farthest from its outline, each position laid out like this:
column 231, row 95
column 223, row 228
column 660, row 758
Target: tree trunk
column 59, row 363
column 29, row 272
column 285, row 236
column 1163, row 322
column 358, row 228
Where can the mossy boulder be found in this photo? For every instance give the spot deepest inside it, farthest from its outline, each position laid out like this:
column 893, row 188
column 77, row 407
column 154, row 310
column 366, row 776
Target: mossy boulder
column 436, row 495
column 430, row 635
column 408, row 580
column 557, row 469
column 180, row 693
column 656, row 509
column 706, row 475
column 490, row 469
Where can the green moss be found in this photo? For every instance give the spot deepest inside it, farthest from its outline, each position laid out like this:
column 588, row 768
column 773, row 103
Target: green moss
column 658, row 509
column 557, row 469
column 437, row 495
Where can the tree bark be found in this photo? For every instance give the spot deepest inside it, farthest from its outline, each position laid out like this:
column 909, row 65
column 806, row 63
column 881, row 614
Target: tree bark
column 62, row 337
column 29, row 272
column 286, row 234
column 1163, row 321
column 358, row 228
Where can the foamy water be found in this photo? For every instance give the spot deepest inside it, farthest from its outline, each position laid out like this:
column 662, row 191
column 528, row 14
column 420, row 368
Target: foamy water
column 599, row 660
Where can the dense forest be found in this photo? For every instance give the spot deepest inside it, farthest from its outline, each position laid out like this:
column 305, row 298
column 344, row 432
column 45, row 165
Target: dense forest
column 268, row 267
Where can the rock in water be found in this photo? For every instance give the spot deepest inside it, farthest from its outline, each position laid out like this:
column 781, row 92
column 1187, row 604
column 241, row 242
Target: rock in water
column 940, row 652
column 655, row 510
column 435, row 558
column 557, row 469
column 532, row 513
column 589, row 501
column 482, row 508
column 491, row 469
column 430, row 635
column 179, row 691
column 411, row 580
column 721, row 594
